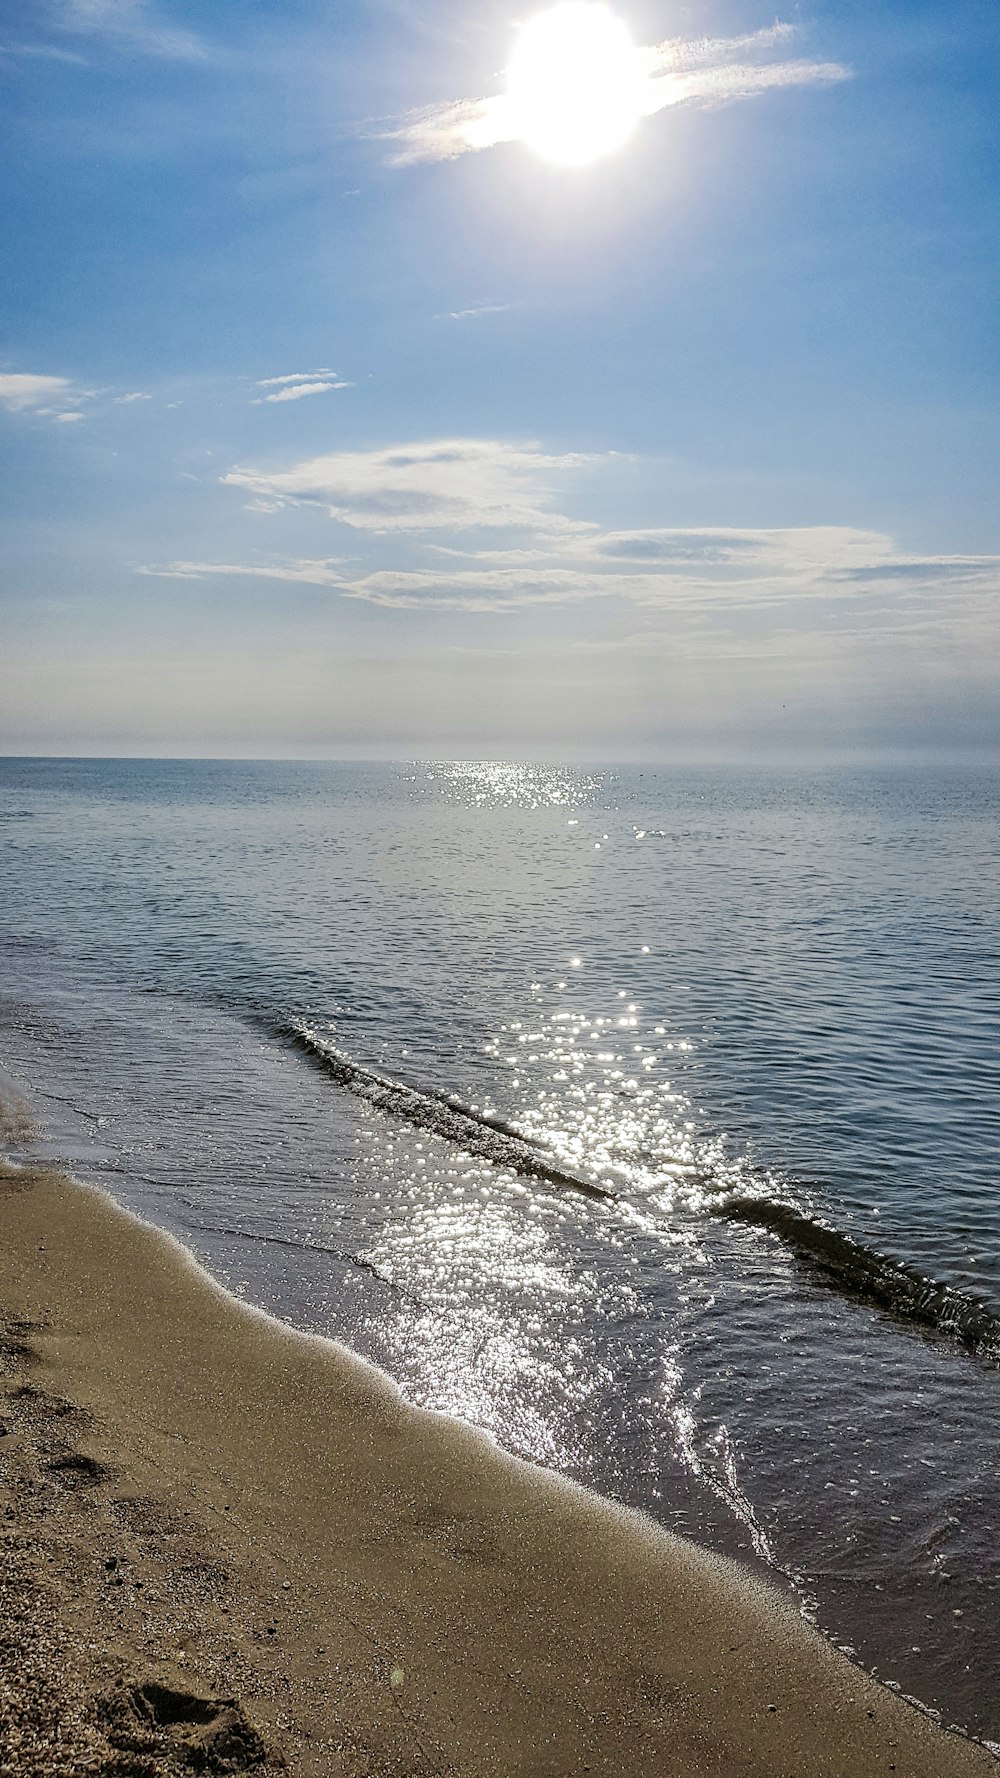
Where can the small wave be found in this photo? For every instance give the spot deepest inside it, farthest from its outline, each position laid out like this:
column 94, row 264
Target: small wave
column 488, row 1138
column 836, row 1259
column 872, row 1277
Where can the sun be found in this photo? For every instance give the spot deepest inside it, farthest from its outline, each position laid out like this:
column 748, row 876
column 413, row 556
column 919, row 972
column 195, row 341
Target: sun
column 576, row 83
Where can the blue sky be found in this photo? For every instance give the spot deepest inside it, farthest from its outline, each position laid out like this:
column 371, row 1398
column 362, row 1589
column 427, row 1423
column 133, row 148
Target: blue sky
column 324, row 432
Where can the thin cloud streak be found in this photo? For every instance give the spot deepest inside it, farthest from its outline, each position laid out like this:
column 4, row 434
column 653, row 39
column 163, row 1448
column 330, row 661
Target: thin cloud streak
column 708, row 52
column 473, row 314
column 306, row 572
column 705, row 72
column 295, row 384
column 803, row 568
column 800, row 569
column 47, row 52
column 295, row 391
column 128, row 25
column 296, row 376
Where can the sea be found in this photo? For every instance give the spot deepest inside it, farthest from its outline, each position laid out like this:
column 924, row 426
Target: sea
column 645, row 1118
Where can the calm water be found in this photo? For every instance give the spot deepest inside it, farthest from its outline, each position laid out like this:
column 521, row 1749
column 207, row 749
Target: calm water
column 759, row 1013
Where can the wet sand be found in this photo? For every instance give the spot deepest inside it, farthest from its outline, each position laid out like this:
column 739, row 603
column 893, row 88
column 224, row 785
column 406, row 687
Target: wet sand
column 227, row 1547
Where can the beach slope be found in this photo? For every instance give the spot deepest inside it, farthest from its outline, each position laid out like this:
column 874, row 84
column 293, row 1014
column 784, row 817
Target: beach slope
column 228, row 1547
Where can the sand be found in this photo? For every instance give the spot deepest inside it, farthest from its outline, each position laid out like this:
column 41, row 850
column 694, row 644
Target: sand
column 229, row 1547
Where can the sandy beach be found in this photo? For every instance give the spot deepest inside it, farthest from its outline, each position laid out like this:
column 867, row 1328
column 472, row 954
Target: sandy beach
column 230, row 1547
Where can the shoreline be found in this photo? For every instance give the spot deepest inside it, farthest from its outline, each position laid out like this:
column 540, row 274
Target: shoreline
column 204, row 1501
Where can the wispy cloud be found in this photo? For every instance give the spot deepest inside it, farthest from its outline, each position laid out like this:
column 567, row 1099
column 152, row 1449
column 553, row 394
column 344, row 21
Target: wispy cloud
column 47, row 397
column 476, row 526
column 703, row 72
column 693, row 574
column 47, row 52
column 295, row 391
column 130, row 25
column 295, row 384
column 823, row 581
column 462, row 487
column 296, row 376
column 305, row 571
column 454, row 483
column 20, row 391
column 474, row 313
column 57, row 398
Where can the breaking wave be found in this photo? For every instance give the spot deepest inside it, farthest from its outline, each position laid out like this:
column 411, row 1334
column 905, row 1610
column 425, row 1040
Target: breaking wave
column 870, row 1277
column 834, row 1259
column 488, row 1138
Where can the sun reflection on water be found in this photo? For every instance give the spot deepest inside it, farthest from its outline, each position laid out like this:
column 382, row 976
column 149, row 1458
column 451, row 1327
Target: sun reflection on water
column 493, row 1304
column 596, row 1089
column 490, row 1312
column 505, row 784
column 498, row 1279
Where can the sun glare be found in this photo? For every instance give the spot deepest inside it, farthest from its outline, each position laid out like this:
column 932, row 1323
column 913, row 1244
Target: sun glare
column 576, row 83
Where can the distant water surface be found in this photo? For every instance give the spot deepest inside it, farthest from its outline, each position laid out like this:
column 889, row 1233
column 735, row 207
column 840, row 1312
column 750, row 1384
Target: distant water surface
column 358, row 1033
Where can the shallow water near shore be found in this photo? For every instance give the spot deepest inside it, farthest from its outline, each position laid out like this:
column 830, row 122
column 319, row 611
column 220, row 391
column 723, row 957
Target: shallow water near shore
column 269, row 1006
